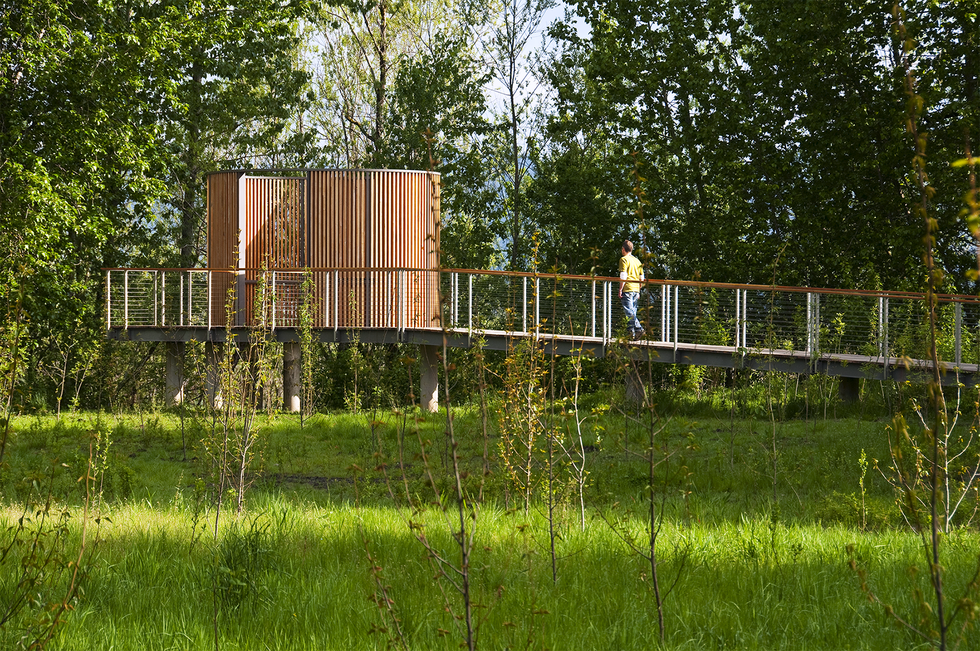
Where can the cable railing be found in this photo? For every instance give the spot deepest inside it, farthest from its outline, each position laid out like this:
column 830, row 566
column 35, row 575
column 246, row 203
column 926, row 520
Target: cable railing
column 745, row 318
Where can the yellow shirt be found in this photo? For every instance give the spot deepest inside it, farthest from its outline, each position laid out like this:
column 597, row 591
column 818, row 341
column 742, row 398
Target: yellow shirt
column 631, row 271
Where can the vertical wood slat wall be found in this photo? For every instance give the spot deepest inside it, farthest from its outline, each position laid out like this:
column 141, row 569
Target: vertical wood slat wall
column 338, row 238
column 273, row 238
column 377, row 219
column 222, row 229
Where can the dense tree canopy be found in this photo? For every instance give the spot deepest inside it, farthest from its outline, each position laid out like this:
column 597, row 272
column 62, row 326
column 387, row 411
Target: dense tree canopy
column 110, row 114
column 772, row 133
column 733, row 140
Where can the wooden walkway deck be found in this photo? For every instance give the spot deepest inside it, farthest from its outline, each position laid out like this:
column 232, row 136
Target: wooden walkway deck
column 900, row 369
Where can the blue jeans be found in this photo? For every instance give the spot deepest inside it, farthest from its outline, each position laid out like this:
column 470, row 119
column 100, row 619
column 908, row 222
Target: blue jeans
column 630, row 301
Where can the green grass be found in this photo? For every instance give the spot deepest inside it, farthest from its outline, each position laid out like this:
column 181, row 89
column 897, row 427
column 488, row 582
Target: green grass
column 304, row 583
column 754, row 547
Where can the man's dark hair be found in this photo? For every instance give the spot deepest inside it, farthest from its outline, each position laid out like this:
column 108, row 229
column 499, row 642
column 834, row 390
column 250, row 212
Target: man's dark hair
column 628, row 246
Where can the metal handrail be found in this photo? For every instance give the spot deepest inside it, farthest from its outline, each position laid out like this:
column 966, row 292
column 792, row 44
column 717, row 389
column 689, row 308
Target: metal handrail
column 747, row 317
column 963, row 298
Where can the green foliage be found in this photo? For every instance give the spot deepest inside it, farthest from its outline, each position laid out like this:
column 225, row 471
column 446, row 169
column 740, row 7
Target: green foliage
column 521, row 419
column 311, row 583
column 247, row 554
column 716, row 504
column 769, row 130
column 151, row 97
column 847, row 509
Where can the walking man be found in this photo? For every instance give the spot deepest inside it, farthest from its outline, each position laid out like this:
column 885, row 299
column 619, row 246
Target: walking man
column 630, row 276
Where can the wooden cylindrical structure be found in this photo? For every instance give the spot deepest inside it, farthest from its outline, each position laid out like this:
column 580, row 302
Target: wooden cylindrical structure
column 370, row 237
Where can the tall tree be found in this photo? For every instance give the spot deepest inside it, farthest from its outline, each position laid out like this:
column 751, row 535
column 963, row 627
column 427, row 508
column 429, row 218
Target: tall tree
column 109, row 116
column 76, row 152
column 828, row 159
column 946, row 57
column 656, row 82
column 359, row 47
column 770, row 132
column 234, row 93
column 580, row 191
column 438, row 119
column 513, row 27
column 400, row 85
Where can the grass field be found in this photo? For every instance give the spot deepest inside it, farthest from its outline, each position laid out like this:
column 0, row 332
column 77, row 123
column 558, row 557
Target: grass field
column 761, row 520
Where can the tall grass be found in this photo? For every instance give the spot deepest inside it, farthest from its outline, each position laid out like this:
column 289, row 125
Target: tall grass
column 301, row 581
column 293, row 571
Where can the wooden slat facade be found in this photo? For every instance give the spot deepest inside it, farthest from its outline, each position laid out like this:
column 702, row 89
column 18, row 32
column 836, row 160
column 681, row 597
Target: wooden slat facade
column 222, row 206
column 331, row 219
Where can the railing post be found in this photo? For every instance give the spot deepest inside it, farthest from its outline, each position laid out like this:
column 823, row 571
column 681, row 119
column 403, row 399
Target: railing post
column 609, row 315
column 809, row 325
column 181, row 303
column 812, row 323
column 741, row 316
column 663, row 313
column 958, row 312
column 745, row 318
column 610, row 286
column 454, row 299
column 738, row 317
column 602, row 331
column 336, row 306
column 524, row 305
column 537, row 306
column 469, row 316
column 593, row 308
column 156, row 305
column 163, row 300
column 677, row 301
column 272, row 299
column 209, row 297
column 126, row 299
column 108, row 300
column 605, row 311
column 816, row 323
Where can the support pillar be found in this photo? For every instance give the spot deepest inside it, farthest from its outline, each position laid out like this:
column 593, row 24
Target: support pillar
column 849, row 389
column 635, row 392
column 252, row 393
column 213, row 356
column 292, row 363
column 175, row 382
column 429, row 394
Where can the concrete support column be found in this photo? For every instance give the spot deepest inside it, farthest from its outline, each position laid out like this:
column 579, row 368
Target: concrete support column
column 849, row 389
column 635, row 392
column 429, row 394
column 175, row 382
column 251, row 392
column 292, row 364
column 213, row 356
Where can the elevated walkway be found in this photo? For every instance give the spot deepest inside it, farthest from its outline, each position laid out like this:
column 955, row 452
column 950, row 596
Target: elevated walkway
column 845, row 333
